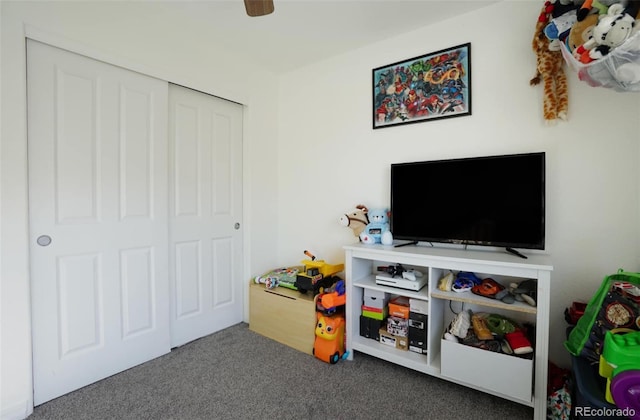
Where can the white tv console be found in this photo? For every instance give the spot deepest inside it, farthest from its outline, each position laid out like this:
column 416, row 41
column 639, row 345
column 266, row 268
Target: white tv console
column 517, row 379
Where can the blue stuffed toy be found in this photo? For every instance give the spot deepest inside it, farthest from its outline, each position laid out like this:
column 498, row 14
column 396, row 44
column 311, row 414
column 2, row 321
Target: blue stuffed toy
column 377, row 231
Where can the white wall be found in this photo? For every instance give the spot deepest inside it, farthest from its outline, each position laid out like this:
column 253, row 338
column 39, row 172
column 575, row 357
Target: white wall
column 331, row 159
column 141, row 36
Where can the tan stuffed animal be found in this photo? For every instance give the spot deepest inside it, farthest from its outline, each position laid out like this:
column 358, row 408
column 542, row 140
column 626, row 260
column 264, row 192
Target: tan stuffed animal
column 550, row 69
column 581, row 32
column 356, row 219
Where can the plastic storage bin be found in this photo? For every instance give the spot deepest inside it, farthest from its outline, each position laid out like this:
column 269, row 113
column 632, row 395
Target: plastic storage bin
column 589, row 392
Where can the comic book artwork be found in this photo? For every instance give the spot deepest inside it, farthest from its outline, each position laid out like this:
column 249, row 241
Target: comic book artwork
column 432, row 86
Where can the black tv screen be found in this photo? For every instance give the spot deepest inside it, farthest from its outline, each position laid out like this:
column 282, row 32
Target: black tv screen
column 491, row 201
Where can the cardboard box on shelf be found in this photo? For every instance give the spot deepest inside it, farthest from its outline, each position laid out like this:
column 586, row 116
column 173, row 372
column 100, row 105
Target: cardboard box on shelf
column 401, row 343
column 417, row 332
column 375, row 298
column 375, row 313
column 419, row 306
column 399, row 306
column 370, row 327
column 398, row 326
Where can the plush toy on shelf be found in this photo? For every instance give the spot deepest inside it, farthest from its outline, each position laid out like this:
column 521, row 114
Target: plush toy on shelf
column 377, row 231
column 549, row 70
column 356, row 219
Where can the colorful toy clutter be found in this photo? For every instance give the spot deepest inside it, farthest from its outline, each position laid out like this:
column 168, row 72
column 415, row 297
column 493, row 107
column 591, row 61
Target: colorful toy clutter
column 332, row 299
column 329, row 342
column 620, row 364
column 611, row 31
column 599, row 39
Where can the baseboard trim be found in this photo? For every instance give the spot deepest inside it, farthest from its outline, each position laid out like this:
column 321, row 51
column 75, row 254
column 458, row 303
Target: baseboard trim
column 17, row 411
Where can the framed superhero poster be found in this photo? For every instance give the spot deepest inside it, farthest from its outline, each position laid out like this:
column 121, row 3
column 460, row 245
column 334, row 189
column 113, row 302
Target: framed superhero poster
column 425, row 88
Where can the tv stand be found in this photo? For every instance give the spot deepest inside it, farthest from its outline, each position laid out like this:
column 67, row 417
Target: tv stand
column 517, row 253
column 514, row 378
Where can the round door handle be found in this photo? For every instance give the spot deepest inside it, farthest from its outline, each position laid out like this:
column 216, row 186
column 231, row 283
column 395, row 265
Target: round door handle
column 44, row 240
column 236, row 226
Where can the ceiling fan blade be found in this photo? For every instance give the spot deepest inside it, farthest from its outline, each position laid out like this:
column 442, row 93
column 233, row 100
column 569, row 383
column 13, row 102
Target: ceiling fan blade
column 258, row 7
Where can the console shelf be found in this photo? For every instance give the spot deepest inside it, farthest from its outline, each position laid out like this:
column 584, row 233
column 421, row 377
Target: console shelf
column 469, row 297
column 526, row 378
column 370, row 283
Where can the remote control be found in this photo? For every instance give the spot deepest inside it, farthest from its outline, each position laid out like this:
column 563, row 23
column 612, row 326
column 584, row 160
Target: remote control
column 411, row 275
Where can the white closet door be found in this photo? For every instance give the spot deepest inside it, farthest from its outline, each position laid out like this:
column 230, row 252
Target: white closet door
column 205, row 135
column 98, row 219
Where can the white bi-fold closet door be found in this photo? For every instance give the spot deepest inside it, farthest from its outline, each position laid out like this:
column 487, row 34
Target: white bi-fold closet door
column 118, row 187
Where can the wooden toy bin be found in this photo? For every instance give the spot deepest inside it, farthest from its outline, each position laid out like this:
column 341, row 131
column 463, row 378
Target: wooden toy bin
column 284, row 315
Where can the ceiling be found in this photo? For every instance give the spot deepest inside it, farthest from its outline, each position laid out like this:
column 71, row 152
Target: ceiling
column 303, row 31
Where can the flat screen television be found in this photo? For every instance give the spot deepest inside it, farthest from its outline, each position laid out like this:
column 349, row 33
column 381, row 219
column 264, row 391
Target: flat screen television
column 490, row 201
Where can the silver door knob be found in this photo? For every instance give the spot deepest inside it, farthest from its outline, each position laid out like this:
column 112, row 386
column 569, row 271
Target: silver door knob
column 237, row 226
column 43, row 240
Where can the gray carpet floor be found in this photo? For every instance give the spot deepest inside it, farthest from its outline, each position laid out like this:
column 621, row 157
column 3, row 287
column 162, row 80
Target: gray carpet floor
column 237, row 374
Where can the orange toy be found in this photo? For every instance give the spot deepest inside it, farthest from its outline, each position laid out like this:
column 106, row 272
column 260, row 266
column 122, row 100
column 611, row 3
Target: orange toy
column 330, row 301
column 329, row 344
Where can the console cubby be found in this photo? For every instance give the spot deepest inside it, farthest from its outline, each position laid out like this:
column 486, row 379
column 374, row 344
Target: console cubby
column 515, row 378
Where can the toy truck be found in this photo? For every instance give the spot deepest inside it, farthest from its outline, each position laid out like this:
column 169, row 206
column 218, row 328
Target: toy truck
column 316, row 276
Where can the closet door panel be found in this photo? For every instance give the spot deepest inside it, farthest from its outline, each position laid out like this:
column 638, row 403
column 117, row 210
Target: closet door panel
column 205, row 136
column 98, row 219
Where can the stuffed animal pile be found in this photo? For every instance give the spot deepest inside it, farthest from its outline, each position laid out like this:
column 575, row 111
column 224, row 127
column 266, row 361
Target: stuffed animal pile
column 587, row 32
